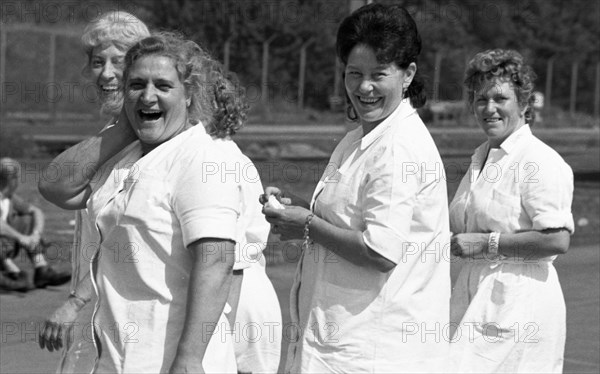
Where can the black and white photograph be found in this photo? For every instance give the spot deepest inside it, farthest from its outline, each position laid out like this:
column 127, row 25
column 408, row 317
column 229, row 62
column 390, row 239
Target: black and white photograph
column 299, row 186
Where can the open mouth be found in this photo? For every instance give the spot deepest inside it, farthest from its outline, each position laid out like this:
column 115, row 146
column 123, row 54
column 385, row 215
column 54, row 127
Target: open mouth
column 492, row 120
column 149, row 115
column 368, row 100
column 109, row 89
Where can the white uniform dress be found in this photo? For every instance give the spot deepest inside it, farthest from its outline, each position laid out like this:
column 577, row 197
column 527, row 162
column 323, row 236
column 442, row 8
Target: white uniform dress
column 390, row 185
column 79, row 353
column 169, row 200
column 508, row 315
column 258, row 325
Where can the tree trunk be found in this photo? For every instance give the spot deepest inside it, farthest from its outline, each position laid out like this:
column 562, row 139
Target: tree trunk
column 573, row 101
column 549, row 73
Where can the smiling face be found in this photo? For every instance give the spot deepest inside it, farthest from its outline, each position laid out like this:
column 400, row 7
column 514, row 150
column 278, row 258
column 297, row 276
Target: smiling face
column 106, row 67
column 375, row 89
column 155, row 100
column 497, row 111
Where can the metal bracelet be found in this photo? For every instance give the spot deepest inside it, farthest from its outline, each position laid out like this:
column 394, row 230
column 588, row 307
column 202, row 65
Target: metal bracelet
column 493, row 243
column 74, row 295
column 306, row 237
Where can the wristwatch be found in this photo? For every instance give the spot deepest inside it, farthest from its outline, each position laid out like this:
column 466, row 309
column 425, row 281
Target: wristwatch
column 493, row 242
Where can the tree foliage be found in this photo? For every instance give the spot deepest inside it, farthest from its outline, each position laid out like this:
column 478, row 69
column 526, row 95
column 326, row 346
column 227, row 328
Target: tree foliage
column 566, row 30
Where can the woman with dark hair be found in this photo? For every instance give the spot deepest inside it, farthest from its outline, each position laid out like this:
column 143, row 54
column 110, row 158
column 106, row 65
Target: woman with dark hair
column 372, row 289
column 511, row 217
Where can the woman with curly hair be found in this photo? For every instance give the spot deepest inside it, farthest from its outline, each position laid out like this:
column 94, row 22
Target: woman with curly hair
column 511, row 217
column 173, row 222
column 169, row 214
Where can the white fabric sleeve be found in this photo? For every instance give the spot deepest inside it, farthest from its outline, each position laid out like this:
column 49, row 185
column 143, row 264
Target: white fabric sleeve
column 547, row 193
column 206, row 204
column 253, row 223
column 388, row 202
column 258, row 227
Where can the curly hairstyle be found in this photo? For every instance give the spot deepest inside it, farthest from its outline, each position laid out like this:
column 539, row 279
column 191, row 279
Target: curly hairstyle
column 504, row 65
column 217, row 99
column 118, row 28
column 392, row 34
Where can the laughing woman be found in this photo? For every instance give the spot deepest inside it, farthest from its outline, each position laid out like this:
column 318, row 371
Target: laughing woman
column 164, row 269
column 105, row 40
column 373, row 278
column 511, row 216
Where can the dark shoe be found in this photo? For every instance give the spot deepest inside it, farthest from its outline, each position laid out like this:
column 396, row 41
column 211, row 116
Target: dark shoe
column 46, row 276
column 20, row 276
column 9, row 284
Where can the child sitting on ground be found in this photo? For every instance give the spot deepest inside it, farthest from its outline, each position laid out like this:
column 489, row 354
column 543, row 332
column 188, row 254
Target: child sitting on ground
column 21, row 227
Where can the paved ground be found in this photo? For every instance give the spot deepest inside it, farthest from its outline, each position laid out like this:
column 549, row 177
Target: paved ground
column 579, row 272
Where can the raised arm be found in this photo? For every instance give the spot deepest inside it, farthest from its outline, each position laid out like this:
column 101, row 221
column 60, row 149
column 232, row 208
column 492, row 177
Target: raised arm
column 78, row 165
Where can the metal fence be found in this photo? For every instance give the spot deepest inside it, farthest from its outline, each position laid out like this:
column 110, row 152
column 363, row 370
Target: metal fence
column 41, row 82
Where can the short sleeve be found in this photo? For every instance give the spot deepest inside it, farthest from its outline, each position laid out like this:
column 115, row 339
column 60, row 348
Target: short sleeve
column 547, row 193
column 206, row 199
column 389, row 198
column 252, row 222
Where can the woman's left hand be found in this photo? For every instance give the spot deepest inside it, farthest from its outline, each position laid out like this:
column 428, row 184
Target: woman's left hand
column 58, row 325
column 288, row 222
column 468, row 244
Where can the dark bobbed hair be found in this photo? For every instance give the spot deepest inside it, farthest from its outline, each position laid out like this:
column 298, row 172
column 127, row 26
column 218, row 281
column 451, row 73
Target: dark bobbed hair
column 217, row 99
column 392, row 34
column 503, row 65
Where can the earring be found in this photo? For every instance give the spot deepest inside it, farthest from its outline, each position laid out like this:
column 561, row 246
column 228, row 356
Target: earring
column 404, row 89
column 351, row 113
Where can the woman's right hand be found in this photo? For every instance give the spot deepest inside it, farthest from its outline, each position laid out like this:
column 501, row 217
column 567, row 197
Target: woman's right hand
column 288, row 223
column 58, row 325
column 279, row 195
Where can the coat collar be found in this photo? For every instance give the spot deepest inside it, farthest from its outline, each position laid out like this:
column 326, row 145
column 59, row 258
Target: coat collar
column 403, row 110
column 509, row 145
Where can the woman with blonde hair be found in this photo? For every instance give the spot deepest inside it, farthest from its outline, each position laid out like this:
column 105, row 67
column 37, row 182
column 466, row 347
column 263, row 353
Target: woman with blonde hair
column 105, row 41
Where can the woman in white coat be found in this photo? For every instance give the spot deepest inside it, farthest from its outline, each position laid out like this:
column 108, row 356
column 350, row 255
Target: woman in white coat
column 511, row 217
column 372, row 289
